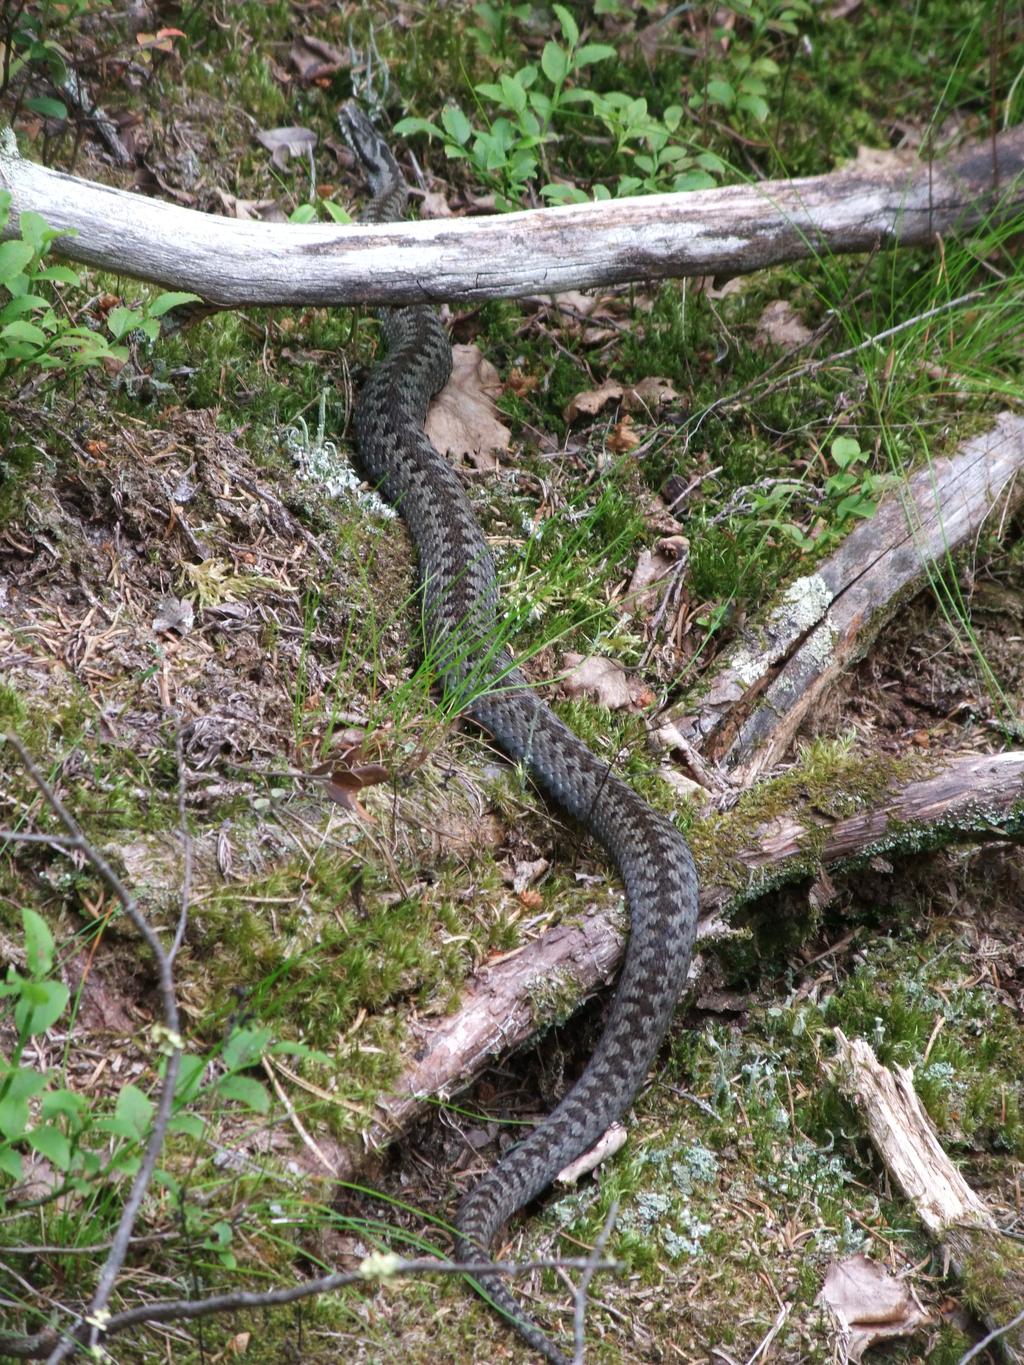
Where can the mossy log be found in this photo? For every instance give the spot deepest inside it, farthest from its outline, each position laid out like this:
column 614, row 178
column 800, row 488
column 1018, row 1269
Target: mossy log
column 767, row 684
column 729, row 231
column 973, row 797
column 989, row 1264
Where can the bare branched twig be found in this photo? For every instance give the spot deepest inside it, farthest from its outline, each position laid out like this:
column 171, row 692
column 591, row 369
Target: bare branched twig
column 168, row 1039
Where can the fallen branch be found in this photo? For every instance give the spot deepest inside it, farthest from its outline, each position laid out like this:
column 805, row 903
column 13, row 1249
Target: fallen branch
column 990, row 1264
column 974, row 797
column 762, row 691
column 728, row 231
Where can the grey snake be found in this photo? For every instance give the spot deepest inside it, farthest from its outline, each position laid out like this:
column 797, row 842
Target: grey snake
column 460, row 618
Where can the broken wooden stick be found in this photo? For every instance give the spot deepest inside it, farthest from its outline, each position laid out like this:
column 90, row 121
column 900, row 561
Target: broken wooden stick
column 767, row 683
column 727, row 231
column 973, row 797
column 989, row 1264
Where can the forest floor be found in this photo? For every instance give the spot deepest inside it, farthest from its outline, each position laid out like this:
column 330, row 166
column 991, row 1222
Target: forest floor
column 192, row 619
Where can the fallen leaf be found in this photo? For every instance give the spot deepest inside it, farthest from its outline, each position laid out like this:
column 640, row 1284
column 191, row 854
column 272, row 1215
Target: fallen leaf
column 174, row 613
column 251, row 210
column 650, row 579
column 347, row 773
column 521, row 384
column 283, row 143
column 869, row 1305
column 314, row 59
column 781, row 325
column 434, row 205
column 463, row 421
column 526, row 872
column 532, row 900
column 649, row 394
column 622, row 437
column 591, row 401
column 598, row 677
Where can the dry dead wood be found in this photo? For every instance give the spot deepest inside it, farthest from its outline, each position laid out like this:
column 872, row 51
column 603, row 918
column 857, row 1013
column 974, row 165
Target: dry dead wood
column 974, row 797
column 990, row 1264
column 728, row 231
column 768, row 683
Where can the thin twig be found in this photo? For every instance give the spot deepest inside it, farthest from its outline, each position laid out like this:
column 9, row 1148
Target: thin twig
column 32, row 1347
column 994, row 1335
column 97, row 1316
column 593, row 1263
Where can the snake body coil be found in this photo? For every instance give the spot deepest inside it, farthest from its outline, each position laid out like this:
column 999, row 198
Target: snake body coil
column 460, row 616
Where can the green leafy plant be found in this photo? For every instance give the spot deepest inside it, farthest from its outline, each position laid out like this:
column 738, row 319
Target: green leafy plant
column 27, row 41
column 507, row 153
column 32, row 330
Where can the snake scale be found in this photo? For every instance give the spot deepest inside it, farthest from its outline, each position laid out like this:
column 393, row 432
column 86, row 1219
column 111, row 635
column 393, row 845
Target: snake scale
column 460, row 614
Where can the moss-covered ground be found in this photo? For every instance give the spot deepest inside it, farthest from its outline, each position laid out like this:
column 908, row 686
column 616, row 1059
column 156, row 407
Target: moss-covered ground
column 133, row 491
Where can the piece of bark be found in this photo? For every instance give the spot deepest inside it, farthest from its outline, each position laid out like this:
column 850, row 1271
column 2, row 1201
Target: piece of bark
column 990, row 1265
column 766, row 685
column 728, row 231
column 973, row 797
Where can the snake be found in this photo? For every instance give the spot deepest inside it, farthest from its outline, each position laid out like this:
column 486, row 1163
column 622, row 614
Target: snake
column 462, row 623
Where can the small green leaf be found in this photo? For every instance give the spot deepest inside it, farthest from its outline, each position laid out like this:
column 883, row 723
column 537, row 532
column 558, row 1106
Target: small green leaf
column 20, row 1088
column 14, row 257
column 38, row 939
column 41, row 1005
column 514, row 94
column 244, row 1047
column 47, row 106
column 247, row 1091
column 554, row 61
column 36, row 230
column 721, row 92
column 20, row 330
column 456, row 124
column 121, row 321
column 63, row 1103
column 406, row 126
column 10, row 1162
column 134, row 1109
column 51, row 1143
column 590, row 53
column 58, row 274
column 163, row 303
column 570, row 30
column 335, row 211
column 305, row 213
column 846, row 451
column 189, row 1124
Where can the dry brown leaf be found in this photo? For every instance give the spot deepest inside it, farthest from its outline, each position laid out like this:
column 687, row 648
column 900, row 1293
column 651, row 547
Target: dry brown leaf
column 869, row 1305
column 462, row 421
column 434, row 205
column 651, row 393
column 622, row 437
column 256, row 210
column 602, row 679
column 283, row 143
column 314, row 59
column 644, row 397
column 781, row 325
column 174, row 613
column 591, row 401
column 650, row 578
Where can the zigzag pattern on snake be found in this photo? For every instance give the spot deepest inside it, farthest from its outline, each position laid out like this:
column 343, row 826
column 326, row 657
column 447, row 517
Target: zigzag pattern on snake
column 460, row 620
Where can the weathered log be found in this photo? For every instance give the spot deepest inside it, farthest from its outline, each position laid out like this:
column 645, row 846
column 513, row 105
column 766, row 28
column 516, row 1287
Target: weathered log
column 766, row 685
column 728, row 231
column 973, row 797
column 990, row 1264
